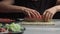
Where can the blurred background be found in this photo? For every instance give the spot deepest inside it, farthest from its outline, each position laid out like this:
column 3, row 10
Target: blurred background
column 40, row 9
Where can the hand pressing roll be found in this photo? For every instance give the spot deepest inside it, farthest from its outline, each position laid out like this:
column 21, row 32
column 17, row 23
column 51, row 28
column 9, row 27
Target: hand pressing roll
column 6, row 20
column 49, row 13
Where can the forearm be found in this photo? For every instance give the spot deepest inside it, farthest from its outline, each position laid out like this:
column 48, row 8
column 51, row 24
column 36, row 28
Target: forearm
column 11, row 8
column 58, row 8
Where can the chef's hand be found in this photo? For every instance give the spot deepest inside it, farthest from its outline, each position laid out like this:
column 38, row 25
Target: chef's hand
column 32, row 14
column 49, row 13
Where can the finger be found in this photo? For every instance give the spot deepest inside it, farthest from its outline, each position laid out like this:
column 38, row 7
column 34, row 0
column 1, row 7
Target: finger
column 32, row 14
column 36, row 15
column 39, row 16
column 29, row 15
column 51, row 16
column 45, row 14
column 46, row 17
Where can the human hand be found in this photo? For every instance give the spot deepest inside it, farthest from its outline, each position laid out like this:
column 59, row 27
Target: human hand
column 49, row 13
column 32, row 14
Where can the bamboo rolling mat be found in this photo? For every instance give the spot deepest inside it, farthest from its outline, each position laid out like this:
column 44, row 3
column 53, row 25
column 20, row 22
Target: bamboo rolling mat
column 38, row 23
